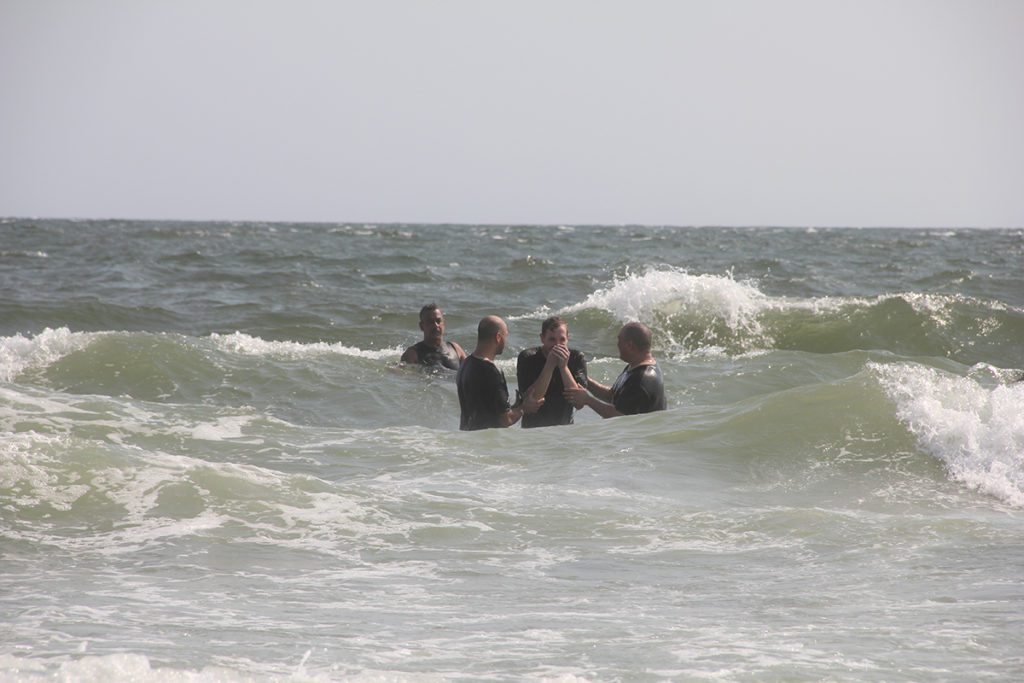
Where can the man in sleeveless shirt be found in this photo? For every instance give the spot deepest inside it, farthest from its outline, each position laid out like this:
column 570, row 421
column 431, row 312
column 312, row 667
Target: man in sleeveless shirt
column 434, row 350
column 483, row 393
column 547, row 370
column 638, row 389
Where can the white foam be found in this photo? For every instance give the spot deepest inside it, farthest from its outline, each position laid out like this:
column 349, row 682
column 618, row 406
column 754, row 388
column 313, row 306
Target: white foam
column 134, row 667
column 19, row 354
column 27, row 254
column 244, row 344
column 224, row 428
column 27, row 479
column 976, row 431
column 939, row 307
column 640, row 297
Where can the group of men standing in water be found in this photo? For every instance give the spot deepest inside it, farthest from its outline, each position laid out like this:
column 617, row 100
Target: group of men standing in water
column 552, row 377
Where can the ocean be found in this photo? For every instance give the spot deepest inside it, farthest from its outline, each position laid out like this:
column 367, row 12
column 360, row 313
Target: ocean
column 214, row 468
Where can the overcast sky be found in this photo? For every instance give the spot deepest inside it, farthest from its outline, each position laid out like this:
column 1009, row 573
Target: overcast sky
column 725, row 112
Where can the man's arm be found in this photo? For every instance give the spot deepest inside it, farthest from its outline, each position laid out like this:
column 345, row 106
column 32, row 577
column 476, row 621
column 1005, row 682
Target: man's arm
column 555, row 359
column 510, row 417
column 568, row 381
column 579, row 398
column 572, row 379
column 410, row 356
column 458, row 350
column 529, row 404
column 599, row 390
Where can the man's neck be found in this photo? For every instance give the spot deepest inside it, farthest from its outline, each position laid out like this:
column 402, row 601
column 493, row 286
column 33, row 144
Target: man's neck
column 646, row 360
column 484, row 352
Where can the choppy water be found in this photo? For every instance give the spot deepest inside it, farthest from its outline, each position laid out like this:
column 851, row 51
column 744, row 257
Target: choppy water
column 212, row 469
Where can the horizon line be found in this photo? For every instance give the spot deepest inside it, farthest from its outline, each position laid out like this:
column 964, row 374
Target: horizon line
column 693, row 226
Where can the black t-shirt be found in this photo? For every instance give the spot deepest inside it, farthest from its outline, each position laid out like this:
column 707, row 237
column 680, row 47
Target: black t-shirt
column 556, row 410
column 445, row 356
column 639, row 390
column 483, row 394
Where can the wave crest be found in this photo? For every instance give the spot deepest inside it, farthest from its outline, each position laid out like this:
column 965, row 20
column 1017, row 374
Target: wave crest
column 976, row 431
column 19, row 354
column 700, row 312
column 244, row 344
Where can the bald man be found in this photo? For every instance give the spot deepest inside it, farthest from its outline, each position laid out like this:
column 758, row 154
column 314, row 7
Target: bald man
column 638, row 389
column 483, row 393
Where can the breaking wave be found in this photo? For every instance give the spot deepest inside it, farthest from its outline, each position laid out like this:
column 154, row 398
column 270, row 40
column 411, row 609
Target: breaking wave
column 976, row 431
column 693, row 312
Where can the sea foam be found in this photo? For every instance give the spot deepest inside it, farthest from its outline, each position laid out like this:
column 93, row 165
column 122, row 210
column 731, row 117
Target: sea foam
column 136, row 667
column 244, row 344
column 19, row 354
column 646, row 295
column 976, row 431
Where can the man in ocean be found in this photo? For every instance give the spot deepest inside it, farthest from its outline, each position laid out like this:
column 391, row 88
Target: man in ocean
column 434, row 350
column 483, row 393
column 638, row 389
column 547, row 370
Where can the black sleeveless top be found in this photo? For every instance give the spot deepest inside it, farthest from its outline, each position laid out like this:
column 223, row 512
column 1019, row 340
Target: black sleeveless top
column 446, row 357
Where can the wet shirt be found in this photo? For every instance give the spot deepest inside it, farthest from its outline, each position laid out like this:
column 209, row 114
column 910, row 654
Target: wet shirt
column 639, row 390
column 445, row 356
column 556, row 410
column 483, row 394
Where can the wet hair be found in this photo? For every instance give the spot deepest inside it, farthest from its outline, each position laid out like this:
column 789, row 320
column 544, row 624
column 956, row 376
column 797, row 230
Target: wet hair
column 638, row 334
column 551, row 323
column 429, row 308
column 488, row 327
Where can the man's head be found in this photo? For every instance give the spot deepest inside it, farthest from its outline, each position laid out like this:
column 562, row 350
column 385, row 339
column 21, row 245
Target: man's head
column 634, row 342
column 492, row 331
column 553, row 331
column 432, row 323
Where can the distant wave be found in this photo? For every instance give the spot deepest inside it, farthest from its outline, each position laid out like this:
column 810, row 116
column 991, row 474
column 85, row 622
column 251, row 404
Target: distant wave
column 242, row 343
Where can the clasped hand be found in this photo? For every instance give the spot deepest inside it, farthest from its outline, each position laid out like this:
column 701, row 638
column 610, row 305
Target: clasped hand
column 559, row 355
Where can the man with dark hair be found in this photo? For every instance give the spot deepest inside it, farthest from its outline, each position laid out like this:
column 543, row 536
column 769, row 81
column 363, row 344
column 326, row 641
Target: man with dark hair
column 483, row 393
column 434, row 350
column 547, row 371
column 638, row 389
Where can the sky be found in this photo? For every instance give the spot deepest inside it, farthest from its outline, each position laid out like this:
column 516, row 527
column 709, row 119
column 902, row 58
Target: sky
column 726, row 112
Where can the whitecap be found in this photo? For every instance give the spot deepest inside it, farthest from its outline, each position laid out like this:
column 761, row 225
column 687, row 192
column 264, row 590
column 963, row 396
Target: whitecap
column 976, row 431
column 641, row 297
column 19, row 354
column 247, row 345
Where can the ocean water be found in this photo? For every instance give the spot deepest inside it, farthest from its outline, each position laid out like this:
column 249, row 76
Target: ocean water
column 212, row 467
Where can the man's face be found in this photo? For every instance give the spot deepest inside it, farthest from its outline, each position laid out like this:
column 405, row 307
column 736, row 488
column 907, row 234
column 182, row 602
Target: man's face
column 432, row 324
column 553, row 337
column 502, row 336
column 624, row 347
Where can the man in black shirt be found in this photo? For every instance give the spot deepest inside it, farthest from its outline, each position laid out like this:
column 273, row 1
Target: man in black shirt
column 434, row 350
column 638, row 389
column 547, row 370
column 483, row 393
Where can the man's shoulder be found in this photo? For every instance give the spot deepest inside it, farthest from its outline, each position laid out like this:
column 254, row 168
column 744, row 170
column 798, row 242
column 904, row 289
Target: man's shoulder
column 651, row 381
column 477, row 364
column 653, row 370
column 576, row 355
column 528, row 354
